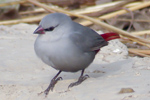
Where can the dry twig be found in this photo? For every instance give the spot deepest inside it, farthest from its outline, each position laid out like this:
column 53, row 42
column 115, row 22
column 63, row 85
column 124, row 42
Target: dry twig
column 101, row 9
column 24, row 20
column 134, row 20
column 39, row 10
column 138, row 53
column 120, row 12
column 141, row 32
column 147, row 52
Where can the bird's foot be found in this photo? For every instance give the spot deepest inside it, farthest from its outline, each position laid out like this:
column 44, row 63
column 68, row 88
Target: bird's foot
column 80, row 80
column 51, row 85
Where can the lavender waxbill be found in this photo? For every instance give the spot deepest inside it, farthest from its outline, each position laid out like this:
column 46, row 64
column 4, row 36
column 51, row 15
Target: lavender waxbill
column 67, row 46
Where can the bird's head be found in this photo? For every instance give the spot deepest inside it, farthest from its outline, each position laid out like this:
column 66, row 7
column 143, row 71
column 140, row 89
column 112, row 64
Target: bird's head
column 52, row 22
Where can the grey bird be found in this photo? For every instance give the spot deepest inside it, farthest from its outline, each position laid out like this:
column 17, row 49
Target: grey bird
column 67, row 46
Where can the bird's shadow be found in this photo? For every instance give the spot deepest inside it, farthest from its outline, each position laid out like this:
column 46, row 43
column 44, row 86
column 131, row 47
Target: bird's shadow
column 98, row 70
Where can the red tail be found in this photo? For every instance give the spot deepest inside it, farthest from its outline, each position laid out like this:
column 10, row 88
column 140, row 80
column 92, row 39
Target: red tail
column 110, row 36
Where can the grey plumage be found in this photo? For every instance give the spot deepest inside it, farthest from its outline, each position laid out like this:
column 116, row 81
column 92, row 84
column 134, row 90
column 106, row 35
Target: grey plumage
column 70, row 46
column 66, row 46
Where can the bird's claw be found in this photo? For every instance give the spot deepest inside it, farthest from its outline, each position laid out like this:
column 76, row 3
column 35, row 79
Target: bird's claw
column 51, row 86
column 80, row 80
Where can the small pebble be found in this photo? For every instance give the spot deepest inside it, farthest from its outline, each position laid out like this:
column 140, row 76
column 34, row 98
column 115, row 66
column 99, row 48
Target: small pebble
column 126, row 90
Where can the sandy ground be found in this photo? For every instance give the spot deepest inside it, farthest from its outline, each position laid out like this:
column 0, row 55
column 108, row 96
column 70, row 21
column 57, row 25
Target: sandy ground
column 23, row 75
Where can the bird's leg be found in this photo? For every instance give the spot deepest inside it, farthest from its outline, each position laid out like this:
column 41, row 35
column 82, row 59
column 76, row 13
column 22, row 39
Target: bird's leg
column 80, row 80
column 52, row 83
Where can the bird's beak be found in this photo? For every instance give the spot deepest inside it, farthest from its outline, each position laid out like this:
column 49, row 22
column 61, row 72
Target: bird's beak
column 39, row 30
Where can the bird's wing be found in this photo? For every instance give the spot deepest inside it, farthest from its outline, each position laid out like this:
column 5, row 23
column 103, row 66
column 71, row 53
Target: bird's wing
column 86, row 38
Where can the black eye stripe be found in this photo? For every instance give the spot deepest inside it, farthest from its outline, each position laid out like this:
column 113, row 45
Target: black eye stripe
column 50, row 29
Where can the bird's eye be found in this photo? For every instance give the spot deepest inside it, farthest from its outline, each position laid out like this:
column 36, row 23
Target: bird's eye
column 50, row 29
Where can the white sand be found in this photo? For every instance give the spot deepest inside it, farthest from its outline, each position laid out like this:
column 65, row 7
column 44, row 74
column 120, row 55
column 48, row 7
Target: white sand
column 23, row 75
